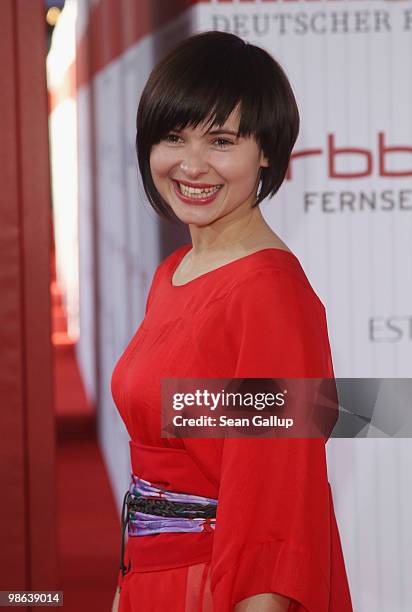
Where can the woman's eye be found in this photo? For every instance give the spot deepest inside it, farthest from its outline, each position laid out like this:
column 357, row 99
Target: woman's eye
column 222, row 142
column 173, row 138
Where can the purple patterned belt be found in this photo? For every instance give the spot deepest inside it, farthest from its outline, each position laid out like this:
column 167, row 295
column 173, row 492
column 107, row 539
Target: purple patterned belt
column 151, row 509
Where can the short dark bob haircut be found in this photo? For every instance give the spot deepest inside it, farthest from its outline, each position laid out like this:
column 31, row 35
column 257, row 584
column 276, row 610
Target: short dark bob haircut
column 202, row 80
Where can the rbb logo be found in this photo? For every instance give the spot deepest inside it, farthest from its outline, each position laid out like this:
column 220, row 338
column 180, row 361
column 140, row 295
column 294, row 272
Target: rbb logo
column 369, row 161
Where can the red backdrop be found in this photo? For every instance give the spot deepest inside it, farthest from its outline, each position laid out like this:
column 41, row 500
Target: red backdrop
column 27, row 510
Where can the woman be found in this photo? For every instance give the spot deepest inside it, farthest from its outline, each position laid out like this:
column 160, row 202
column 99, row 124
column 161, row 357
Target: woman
column 216, row 125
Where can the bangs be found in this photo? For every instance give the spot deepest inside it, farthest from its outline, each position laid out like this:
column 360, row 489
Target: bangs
column 204, row 88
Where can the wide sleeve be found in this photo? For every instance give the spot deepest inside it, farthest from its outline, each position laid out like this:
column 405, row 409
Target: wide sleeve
column 273, row 526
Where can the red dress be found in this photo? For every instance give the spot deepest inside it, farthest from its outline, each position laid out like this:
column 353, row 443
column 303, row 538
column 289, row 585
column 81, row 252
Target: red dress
column 276, row 532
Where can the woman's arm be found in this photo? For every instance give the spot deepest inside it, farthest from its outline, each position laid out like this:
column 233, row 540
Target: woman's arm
column 272, row 533
column 264, row 602
column 115, row 604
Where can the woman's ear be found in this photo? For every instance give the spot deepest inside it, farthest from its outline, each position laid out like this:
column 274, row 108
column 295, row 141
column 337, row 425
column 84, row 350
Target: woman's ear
column 264, row 162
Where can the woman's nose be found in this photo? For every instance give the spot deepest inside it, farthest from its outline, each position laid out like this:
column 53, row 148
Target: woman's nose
column 194, row 163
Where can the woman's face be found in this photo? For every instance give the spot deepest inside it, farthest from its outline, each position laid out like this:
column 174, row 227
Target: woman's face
column 204, row 176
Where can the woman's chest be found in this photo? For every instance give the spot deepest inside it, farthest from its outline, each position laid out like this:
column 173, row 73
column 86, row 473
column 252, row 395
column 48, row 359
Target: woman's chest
column 190, row 346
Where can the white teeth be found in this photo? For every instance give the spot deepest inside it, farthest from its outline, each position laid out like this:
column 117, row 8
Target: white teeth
column 197, row 193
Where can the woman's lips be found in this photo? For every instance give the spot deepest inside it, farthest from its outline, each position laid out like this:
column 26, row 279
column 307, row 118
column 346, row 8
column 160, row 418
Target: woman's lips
column 188, row 200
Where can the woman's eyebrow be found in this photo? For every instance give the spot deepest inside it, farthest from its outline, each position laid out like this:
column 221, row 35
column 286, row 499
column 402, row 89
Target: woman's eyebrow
column 223, row 132
column 213, row 132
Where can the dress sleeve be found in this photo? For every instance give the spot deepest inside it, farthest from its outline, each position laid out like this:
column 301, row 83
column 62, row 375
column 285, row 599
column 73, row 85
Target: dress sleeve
column 272, row 530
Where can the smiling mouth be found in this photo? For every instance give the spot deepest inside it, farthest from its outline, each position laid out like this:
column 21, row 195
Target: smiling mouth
column 195, row 192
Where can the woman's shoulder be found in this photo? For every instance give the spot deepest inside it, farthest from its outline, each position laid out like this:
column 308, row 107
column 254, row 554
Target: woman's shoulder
column 167, row 262
column 273, row 272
